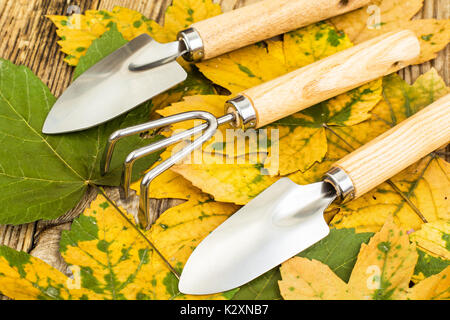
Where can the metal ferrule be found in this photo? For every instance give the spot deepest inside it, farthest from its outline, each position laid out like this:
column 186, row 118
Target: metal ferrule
column 342, row 183
column 193, row 43
column 243, row 111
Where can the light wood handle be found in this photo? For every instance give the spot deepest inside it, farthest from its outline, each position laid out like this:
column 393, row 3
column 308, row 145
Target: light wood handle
column 399, row 147
column 332, row 76
column 266, row 19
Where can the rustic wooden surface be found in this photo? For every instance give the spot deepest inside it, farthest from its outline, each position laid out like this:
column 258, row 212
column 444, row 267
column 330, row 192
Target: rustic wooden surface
column 28, row 38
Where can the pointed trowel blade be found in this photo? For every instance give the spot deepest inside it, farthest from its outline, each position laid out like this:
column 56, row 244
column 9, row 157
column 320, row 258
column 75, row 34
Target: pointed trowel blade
column 109, row 88
column 280, row 222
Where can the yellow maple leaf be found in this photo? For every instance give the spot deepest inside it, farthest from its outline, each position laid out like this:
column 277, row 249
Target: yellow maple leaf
column 434, row 238
column 111, row 260
column 383, row 270
column 384, row 266
column 425, row 184
column 239, row 70
column 169, row 184
column 301, row 135
column 24, row 277
column 237, row 183
column 391, row 15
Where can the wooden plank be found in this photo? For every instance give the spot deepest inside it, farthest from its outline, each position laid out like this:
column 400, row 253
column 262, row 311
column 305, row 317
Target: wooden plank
column 29, row 38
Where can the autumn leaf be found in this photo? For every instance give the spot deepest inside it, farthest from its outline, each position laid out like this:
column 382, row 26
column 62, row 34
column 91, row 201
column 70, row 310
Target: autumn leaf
column 338, row 250
column 110, row 42
column 428, row 265
column 297, row 274
column 43, row 176
column 239, row 70
column 302, row 139
column 236, row 183
column 393, row 15
column 111, row 259
column 436, row 287
column 383, row 270
column 390, row 258
column 434, row 238
column 24, row 277
column 170, row 185
column 302, row 135
column 79, row 30
column 425, row 184
column 399, row 101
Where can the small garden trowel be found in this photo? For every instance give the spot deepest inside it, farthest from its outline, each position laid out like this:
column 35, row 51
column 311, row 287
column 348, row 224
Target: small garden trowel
column 287, row 218
column 144, row 68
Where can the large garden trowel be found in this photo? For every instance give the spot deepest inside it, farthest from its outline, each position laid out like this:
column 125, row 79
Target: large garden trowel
column 144, row 68
column 287, row 218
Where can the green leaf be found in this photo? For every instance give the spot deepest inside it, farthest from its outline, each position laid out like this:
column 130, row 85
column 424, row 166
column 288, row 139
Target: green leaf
column 42, row 176
column 338, row 250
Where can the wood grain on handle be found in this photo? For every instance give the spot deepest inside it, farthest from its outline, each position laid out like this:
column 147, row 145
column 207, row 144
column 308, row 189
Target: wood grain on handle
column 266, row 19
column 332, row 76
column 399, row 147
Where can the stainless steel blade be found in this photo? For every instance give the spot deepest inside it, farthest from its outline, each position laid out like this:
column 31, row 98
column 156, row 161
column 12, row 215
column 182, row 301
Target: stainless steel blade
column 124, row 79
column 280, row 222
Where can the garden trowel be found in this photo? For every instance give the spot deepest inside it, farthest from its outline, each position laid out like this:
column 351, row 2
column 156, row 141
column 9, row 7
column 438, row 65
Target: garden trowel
column 144, row 68
column 287, row 218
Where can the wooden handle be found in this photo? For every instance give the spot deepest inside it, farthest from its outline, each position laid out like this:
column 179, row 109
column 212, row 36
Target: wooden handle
column 332, row 76
column 264, row 20
column 399, row 147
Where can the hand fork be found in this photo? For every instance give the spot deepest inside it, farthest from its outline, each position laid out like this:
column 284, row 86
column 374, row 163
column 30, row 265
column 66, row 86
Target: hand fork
column 271, row 101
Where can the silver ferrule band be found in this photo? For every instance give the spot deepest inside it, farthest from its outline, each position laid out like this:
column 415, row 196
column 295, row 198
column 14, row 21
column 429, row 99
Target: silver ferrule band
column 343, row 184
column 193, row 43
column 243, row 111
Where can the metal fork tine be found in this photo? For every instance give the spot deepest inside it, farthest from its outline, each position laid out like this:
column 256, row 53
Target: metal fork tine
column 130, row 131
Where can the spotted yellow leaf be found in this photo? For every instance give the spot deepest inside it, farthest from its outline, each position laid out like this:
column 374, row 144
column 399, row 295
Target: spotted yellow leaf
column 382, row 271
column 301, row 141
column 79, row 30
column 384, row 266
column 400, row 101
column 379, row 13
column 434, row 238
column 237, row 183
column 182, row 13
column 111, row 260
column 425, row 184
column 394, row 15
column 297, row 274
column 436, row 287
column 169, row 185
column 24, row 277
